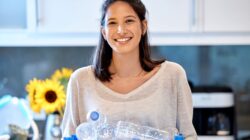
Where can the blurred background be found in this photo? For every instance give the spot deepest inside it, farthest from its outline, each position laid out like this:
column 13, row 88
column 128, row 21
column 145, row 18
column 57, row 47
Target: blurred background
column 209, row 38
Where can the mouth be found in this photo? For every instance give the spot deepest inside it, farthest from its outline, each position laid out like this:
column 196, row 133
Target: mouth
column 123, row 40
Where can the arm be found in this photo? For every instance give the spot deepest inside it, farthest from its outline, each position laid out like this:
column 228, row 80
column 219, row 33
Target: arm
column 184, row 107
column 71, row 116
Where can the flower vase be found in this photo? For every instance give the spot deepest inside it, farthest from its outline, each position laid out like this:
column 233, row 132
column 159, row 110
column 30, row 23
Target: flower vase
column 53, row 130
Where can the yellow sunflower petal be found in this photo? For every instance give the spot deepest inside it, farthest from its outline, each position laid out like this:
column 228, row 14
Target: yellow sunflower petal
column 31, row 88
column 62, row 74
column 35, row 107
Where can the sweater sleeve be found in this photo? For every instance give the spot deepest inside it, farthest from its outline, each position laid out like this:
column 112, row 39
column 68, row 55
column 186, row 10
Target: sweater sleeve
column 185, row 107
column 71, row 116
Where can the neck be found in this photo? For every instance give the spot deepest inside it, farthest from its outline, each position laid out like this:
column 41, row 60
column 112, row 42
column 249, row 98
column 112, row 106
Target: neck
column 126, row 66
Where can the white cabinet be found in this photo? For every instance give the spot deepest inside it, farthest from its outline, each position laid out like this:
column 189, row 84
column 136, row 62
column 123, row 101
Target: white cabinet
column 64, row 15
column 226, row 15
column 198, row 16
column 83, row 15
column 171, row 22
column 12, row 15
column 166, row 16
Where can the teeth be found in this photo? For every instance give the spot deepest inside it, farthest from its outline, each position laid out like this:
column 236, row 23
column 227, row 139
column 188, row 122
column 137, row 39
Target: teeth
column 123, row 39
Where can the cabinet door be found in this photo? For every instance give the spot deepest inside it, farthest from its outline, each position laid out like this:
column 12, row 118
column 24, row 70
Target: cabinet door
column 166, row 16
column 227, row 15
column 12, row 14
column 66, row 15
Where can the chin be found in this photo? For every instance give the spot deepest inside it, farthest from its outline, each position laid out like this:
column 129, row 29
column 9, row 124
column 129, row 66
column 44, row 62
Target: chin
column 120, row 50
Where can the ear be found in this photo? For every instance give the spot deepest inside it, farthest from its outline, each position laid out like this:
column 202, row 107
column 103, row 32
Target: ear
column 144, row 26
column 103, row 33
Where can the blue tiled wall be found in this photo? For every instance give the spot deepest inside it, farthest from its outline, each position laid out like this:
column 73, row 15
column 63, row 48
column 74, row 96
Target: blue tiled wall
column 205, row 65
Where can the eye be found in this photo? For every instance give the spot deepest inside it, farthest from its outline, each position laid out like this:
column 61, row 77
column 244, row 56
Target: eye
column 129, row 21
column 111, row 23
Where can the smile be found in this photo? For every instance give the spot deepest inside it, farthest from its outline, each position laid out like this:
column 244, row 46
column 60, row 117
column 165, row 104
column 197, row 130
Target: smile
column 123, row 39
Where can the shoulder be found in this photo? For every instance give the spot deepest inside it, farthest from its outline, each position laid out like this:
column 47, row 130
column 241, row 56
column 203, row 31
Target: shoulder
column 173, row 68
column 83, row 73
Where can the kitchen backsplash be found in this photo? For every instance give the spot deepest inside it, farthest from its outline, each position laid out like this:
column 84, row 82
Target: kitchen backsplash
column 204, row 65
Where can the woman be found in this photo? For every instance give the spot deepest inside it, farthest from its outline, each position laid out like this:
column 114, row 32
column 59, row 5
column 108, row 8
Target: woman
column 124, row 83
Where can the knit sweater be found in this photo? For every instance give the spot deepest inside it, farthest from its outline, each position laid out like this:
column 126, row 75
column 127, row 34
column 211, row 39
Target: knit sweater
column 163, row 101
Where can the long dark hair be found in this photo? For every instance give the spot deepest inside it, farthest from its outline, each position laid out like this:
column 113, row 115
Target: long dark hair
column 103, row 53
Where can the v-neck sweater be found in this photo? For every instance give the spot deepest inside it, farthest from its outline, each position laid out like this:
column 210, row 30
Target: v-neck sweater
column 164, row 101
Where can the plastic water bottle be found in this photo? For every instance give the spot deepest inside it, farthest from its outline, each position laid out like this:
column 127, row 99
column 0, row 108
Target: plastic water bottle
column 96, row 128
column 127, row 131
column 85, row 131
column 131, row 131
column 104, row 130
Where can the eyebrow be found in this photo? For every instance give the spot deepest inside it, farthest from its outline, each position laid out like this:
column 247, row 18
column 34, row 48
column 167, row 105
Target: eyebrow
column 129, row 16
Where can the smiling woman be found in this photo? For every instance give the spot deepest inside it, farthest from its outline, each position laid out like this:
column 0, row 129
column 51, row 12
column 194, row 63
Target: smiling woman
column 124, row 83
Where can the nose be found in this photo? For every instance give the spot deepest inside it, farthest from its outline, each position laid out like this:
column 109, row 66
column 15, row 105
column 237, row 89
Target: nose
column 121, row 29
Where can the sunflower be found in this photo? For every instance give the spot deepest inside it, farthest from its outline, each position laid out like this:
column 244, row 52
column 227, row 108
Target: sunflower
column 31, row 88
column 51, row 96
column 62, row 76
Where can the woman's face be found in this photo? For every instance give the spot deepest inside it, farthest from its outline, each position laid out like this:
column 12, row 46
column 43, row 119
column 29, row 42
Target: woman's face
column 123, row 28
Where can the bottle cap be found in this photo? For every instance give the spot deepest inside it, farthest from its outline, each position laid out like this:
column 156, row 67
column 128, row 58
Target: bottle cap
column 94, row 115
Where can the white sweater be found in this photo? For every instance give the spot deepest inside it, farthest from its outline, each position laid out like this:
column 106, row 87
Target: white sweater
column 164, row 101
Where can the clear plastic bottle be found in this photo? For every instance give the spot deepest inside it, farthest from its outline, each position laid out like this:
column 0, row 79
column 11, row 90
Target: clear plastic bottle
column 131, row 131
column 96, row 128
column 102, row 127
column 85, row 131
